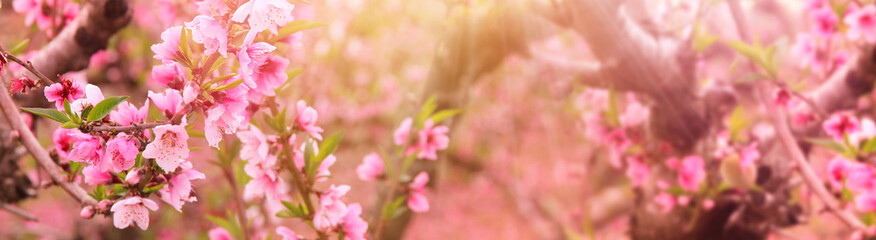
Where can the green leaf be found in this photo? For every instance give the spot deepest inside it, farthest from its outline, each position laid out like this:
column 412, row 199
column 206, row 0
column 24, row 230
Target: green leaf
column 217, row 79
column 329, row 145
column 184, row 43
column 296, row 26
column 869, row 146
column 70, row 114
column 390, row 209
column 70, row 125
column 738, row 122
column 827, row 143
column 701, row 39
column 154, row 188
column 309, row 169
column 18, row 48
column 443, row 114
column 104, row 107
column 228, row 86
column 195, row 133
column 53, row 114
column 428, row 108
column 86, row 111
column 612, row 114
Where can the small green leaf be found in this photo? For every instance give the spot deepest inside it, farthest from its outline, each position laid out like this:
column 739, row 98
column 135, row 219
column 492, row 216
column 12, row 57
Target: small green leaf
column 869, row 146
column 391, row 209
column 53, row 114
column 70, row 125
column 70, row 114
column 296, row 26
column 222, row 78
column 827, row 143
column 428, row 108
column 329, row 145
column 86, row 111
column 228, row 86
column 18, row 48
column 183, row 47
column 443, row 114
column 104, row 107
column 229, row 225
column 701, row 39
column 154, row 188
column 738, row 122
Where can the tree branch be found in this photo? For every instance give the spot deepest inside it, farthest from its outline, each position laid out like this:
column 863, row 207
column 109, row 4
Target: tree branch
column 18, row 212
column 128, row 129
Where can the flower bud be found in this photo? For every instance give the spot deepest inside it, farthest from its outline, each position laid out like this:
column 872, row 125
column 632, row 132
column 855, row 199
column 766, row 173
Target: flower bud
column 87, row 212
column 104, row 205
column 133, row 177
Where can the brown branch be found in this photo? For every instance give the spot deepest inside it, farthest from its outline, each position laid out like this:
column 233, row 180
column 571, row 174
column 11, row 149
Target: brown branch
column 18, row 212
column 10, row 111
column 128, row 129
column 27, row 65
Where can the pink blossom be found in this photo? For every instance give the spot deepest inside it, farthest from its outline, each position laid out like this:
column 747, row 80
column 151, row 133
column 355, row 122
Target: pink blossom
column 781, row 98
column 825, row 22
column 371, row 167
column 748, row 156
column 417, row 201
column 840, row 124
column 93, row 96
column 331, row 209
column 226, row 115
column 400, row 136
column 121, row 153
column 808, row 49
column 94, row 176
column 255, row 144
column 251, row 58
column 666, row 202
column 212, row 7
column 39, row 11
column 265, row 183
column 63, row 139
column 432, row 139
column 179, row 187
column 691, row 173
column 637, row 171
column 306, row 119
column 191, row 92
column 617, row 143
column 132, row 210
column 166, row 50
column 263, row 15
column 127, row 114
column 169, row 74
column 286, row 233
column 211, row 33
column 355, row 228
column 635, row 113
column 22, row 85
column 219, row 233
column 270, row 75
column 836, row 171
column 862, row 23
column 169, row 102
column 65, row 89
column 170, row 147
column 87, row 148
column 708, row 204
column 866, row 131
column 866, row 202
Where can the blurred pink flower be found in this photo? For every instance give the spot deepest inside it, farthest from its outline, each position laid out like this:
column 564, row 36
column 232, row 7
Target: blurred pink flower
column 87, row 148
column 170, row 147
column 212, row 7
column 355, row 228
column 862, row 23
column 93, row 96
column 219, row 233
column 371, row 167
column 417, row 200
column 400, row 136
column 331, row 209
column 21, row 85
column 211, row 33
column 270, row 75
column 691, row 173
column 825, row 22
column 255, row 144
column 286, row 233
column 120, row 153
column 263, row 15
column 126, row 113
column 635, row 113
column 836, row 171
column 170, row 74
column 166, row 50
column 748, row 156
column 266, row 183
column 169, row 102
column 130, row 210
column 306, row 120
column 840, row 124
column 708, row 204
column 807, row 49
column 133, row 177
column 226, row 115
column 179, row 188
column 637, row 170
column 666, row 202
column 866, row 202
column 431, row 139
column 65, row 89
column 63, row 139
column 94, row 176
column 781, row 98
column 251, row 58
column 617, row 143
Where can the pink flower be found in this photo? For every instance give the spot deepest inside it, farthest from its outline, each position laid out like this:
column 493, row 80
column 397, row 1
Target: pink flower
column 417, row 201
column 691, row 173
column 169, row 102
column 219, row 233
column 708, row 204
column 331, row 209
column 93, row 96
column 255, row 144
column 867, row 131
column 179, row 188
column 355, row 228
column 808, row 50
column 371, row 167
column 306, row 120
column 432, row 139
column 121, row 153
column 270, row 75
column 862, row 23
column 840, row 124
column 825, row 22
column 748, row 156
column 132, row 210
column 39, row 11
column 65, row 89
column 263, row 15
column 127, row 114
column 166, row 50
column 211, row 33
column 666, row 202
column 94, row 176
column 866, row 202
column 635, row 113
column 170, row 147
column 169, row 74
column 617, row 142
column 226, row 115
column 251, row 58
column 637, row 171
column 21, row 85
column 87, row 148
column 836, row 171
column 286, row 233
column 265, row 183
column 63, row 139
column 211, row 7
column 781, row 98
column 400, row 136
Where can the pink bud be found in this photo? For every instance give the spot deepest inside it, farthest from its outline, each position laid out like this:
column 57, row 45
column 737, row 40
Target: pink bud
column 133, row 177
column 104, row 205
column 87, row 212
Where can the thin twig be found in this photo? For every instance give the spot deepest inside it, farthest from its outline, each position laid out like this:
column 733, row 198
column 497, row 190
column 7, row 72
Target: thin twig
column 783, row 132
column 18, row 212
column 127, row 129
column 10, row 111
column 27, row 65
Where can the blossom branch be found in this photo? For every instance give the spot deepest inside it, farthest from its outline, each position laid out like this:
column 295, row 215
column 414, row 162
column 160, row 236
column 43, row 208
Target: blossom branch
column 10, row 111
column 27, row 65
column 18, row 212
column 128, row 129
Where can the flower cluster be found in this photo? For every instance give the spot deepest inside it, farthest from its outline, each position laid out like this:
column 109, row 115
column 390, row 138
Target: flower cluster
column 48, row 16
